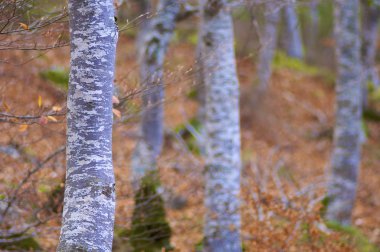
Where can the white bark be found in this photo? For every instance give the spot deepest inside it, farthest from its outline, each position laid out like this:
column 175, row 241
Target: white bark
column 89, row 204
column 268, row 46
column 156, row 40
column 294, row 40
column 223, row 163
column 346, row 151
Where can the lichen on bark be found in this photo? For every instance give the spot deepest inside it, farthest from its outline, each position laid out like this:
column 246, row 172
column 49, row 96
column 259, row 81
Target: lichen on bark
column 89, row 201
column 345, row 160
column 222, row 129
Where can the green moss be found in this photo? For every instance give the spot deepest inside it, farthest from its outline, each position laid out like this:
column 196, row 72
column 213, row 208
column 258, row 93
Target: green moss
column 150, row 231
column 57, row 76
column 371, row 115
column 20, row 243
column 182, row 35
column 188, row 137
column 121, row 240
column 353, row 236
column 282, row 61
column 325, row 203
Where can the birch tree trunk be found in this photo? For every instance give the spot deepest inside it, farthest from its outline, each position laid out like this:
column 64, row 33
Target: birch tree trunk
column 370, row 21
column 268, row 47
column 294, row 40
column 223, row 164
column 346, row 151
column 155, row 43
column 89, row 204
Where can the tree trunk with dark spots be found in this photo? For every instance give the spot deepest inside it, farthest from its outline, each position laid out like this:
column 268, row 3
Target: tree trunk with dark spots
column 89, row 202
column 345, row 160
column 155, row 43
column 222, row 129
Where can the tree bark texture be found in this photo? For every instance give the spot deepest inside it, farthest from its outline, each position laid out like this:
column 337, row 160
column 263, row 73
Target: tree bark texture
column 222, row 129
column 346, row 151
column 89, row 203
column 155, row 44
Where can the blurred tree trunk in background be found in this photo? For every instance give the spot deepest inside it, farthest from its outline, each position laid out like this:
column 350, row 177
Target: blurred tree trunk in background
column 156, row 40
column 150, row 230
column 201, row 93
column 293, row 38
column 89, row 204
column 370, row 21
column 222, row 127
column 145, row 8
column 268, row 46
column 314, row 25
column 346, row 151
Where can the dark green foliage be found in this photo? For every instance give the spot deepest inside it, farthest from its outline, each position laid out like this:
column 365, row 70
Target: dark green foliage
column 150, row 231
column 57, row 76
column 18, row 242
column 325, row 203
column 371, row 115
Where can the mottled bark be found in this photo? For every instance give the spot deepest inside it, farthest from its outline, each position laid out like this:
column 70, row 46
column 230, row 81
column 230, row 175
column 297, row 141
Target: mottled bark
column 294, row 41
column 370, row 21
column 155, row 43
column 222, row 128
column 268, row 47
column 89, row 203
column 346, row 151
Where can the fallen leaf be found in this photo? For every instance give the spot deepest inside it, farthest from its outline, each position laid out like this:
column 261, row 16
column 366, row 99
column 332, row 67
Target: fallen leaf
column 116, row 112
column 115, row 100
column 56, row 108
column 39, row 101
column 6, row 107
column 52, row 118
column 24, row 26
column 23, row 128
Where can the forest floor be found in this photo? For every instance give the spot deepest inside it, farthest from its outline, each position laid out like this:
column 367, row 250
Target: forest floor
column 286, row 145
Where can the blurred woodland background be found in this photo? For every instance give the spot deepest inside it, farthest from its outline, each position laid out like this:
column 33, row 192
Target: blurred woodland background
column 287, row 120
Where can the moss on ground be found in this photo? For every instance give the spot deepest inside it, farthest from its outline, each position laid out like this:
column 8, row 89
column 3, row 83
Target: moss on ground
column 150, row 230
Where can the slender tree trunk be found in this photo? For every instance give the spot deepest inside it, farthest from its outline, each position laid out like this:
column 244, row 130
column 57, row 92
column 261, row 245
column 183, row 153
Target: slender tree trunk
column 145, row 8
column 222, row 127
column 155, row 43
column 89, row 204
column 294, row 40
column 346, row 151
column 201, row 93
column 313, row 30
column 268, row 47
column 370, row 21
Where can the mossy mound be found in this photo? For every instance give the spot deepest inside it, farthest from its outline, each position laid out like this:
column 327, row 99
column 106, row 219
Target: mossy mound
column 150, row 231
